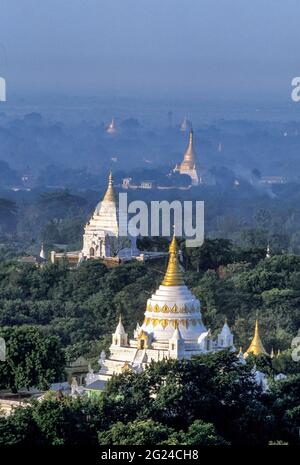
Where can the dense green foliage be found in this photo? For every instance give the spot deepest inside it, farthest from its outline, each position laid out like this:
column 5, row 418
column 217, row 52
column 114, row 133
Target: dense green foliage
column 31, row 359
column 79, row 306
column 210, row 400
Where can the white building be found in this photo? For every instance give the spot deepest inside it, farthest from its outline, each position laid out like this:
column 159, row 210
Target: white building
column 101, row 238
column 172, row 328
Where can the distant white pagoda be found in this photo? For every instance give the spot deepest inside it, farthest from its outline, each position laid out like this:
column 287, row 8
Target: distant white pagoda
column 101, row 238
column 42, row 253
column 172, row 328
column 184, row 125
column 188, row 165
column 111, row 128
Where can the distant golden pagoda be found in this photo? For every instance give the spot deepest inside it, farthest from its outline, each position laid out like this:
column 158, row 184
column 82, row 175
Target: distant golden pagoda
column 188, row 165
column 256, row 347
column 189, row 156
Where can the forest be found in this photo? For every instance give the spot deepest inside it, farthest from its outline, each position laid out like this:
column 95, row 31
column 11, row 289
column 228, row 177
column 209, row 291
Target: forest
column 209, row 400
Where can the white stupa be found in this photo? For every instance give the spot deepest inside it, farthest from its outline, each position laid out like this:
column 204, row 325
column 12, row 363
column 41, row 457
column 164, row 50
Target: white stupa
column 111, row 128
column 101, row 237
column 42, row 252
column 184, row 125
column 225, row 338
column 172, row 328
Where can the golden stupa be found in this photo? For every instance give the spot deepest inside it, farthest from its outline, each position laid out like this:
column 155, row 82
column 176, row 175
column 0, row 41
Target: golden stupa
column 256, row 347
column 173, row 276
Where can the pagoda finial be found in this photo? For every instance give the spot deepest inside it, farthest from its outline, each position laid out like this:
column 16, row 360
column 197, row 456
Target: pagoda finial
column 110, row 195
column 173, row 276
column 256, row 347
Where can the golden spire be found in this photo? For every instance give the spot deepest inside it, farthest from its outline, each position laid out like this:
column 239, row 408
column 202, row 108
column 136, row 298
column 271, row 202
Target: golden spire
column 256, row 347
column 173, row 276
column 189, row 158
column 109, row 194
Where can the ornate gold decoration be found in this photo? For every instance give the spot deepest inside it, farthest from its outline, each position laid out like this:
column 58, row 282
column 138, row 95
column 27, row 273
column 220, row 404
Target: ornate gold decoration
column 175, row 323
column 164, row 323
column 143, row 340
column 174, row 309
column 184, row 309
column 256, row 347
column 173, row 276
column 126, row 367
column 183, row 323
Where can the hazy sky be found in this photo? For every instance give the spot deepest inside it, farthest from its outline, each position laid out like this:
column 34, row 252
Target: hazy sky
column 206, row 48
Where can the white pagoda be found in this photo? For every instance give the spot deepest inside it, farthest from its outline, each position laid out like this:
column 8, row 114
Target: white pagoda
column 172, row 328
column 184, row 125
column 101, row 238
column 111, row 127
